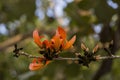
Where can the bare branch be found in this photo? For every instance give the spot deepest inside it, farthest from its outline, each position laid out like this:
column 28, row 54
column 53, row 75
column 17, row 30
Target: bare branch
column 28, row 55
column 13, row 40
column 108, row 57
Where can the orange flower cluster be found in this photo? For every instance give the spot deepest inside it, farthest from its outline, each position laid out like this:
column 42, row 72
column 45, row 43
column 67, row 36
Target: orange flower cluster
column 51, row 47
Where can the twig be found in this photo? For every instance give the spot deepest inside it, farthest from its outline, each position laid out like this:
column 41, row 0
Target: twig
column 9, row 42
column 61, row 58
column 109, row 57
column 28, row 55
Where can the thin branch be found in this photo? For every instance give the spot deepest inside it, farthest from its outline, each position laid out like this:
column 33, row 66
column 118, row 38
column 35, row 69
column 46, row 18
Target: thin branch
column 28, row 55
column 61, row 58
column 11, row 41
column 98, row 58
column 108, row 57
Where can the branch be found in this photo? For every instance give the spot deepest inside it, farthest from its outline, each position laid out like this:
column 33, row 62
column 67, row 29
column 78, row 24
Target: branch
column 11, row 41
column 61, row 58
column 109, row 57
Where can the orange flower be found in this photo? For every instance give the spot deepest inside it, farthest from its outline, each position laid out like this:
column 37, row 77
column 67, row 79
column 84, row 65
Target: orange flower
column 38, row 63
column 58, row 42
column 51, row 47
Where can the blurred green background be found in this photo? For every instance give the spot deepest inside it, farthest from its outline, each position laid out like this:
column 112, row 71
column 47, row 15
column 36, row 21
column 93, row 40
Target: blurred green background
column 92, row 21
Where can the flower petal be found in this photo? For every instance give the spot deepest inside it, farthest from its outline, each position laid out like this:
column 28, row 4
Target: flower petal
column 46, row 43
column 36, row 38
column 69, row 43
column 56, row 42
column 36, row 64
column 61, row 32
